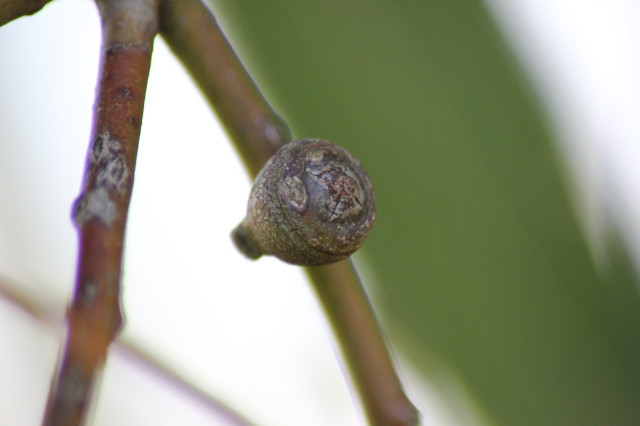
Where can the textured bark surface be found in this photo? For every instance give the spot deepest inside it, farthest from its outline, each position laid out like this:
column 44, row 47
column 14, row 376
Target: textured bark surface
column 312, row 204
column 100, row 212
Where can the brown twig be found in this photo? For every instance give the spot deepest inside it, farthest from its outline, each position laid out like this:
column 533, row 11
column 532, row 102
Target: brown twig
column 166, row 373
column 257, row 132
column 345, row 301
column 94, row 318
column 193, row 35
column 47, row 315
column 14, row 9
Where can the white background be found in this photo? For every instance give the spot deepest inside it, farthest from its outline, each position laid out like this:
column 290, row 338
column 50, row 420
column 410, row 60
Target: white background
column 249, row 332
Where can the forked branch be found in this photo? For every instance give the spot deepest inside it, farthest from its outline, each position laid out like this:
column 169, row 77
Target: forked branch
column 100, row 212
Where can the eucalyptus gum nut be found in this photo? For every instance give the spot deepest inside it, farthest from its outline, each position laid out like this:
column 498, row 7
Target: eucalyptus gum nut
column 311, row 204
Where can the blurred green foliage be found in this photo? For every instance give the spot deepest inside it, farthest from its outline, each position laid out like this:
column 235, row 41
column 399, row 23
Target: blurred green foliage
column 483, row 267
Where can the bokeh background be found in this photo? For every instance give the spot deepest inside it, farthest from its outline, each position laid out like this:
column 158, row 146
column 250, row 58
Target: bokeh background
column 503, row 141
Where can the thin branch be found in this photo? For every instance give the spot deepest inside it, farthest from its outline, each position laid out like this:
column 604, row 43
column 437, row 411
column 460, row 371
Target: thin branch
column 193, row 35
column 10, row 291
column 345, row 302
column 257, row 132
column 47, row 315
column 173, row 378
column 14, row 9
column 100, row 212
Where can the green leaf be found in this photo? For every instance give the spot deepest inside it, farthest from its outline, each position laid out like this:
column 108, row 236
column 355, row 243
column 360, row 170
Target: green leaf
column 483, row 267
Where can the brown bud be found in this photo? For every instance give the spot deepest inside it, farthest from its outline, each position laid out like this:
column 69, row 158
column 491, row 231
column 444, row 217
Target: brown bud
column 311, row 204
